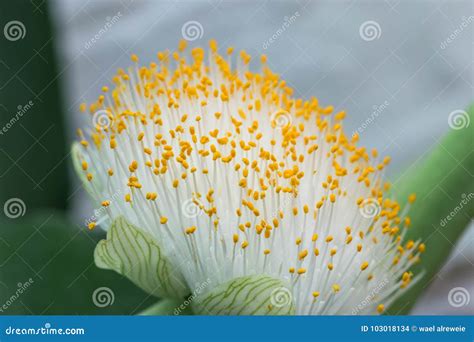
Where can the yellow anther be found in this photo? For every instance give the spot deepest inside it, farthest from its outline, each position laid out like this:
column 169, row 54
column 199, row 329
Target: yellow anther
column 364, row 265
column 336, row 288
column 163, row 220
column 421, row 248
column 190, row 230
column 91, row 225
column 303, row 254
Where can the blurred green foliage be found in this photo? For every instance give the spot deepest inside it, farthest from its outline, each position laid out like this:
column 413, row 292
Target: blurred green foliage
column 58, row 256
column 33, row 150
column 441, row 182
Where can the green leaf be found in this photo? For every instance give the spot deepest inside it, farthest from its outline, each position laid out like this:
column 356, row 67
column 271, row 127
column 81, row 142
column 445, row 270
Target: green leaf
column 136, row 255
column 33, row 149
column 444, row 184
column 58, row 257
column 250, row 295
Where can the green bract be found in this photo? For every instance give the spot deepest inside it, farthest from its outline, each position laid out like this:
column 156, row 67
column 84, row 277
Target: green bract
column 136, row 255
column 250, row 295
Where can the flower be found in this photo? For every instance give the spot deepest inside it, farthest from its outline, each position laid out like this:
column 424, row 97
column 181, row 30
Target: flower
column 229, row 180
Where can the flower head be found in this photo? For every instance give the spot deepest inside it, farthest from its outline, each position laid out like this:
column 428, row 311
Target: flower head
column 228, row 179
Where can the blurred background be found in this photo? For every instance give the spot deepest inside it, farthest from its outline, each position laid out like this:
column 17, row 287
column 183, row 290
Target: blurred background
column 399, row 69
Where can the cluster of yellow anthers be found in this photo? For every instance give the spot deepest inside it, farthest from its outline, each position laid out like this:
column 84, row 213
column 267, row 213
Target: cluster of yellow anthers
column 231, row 173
